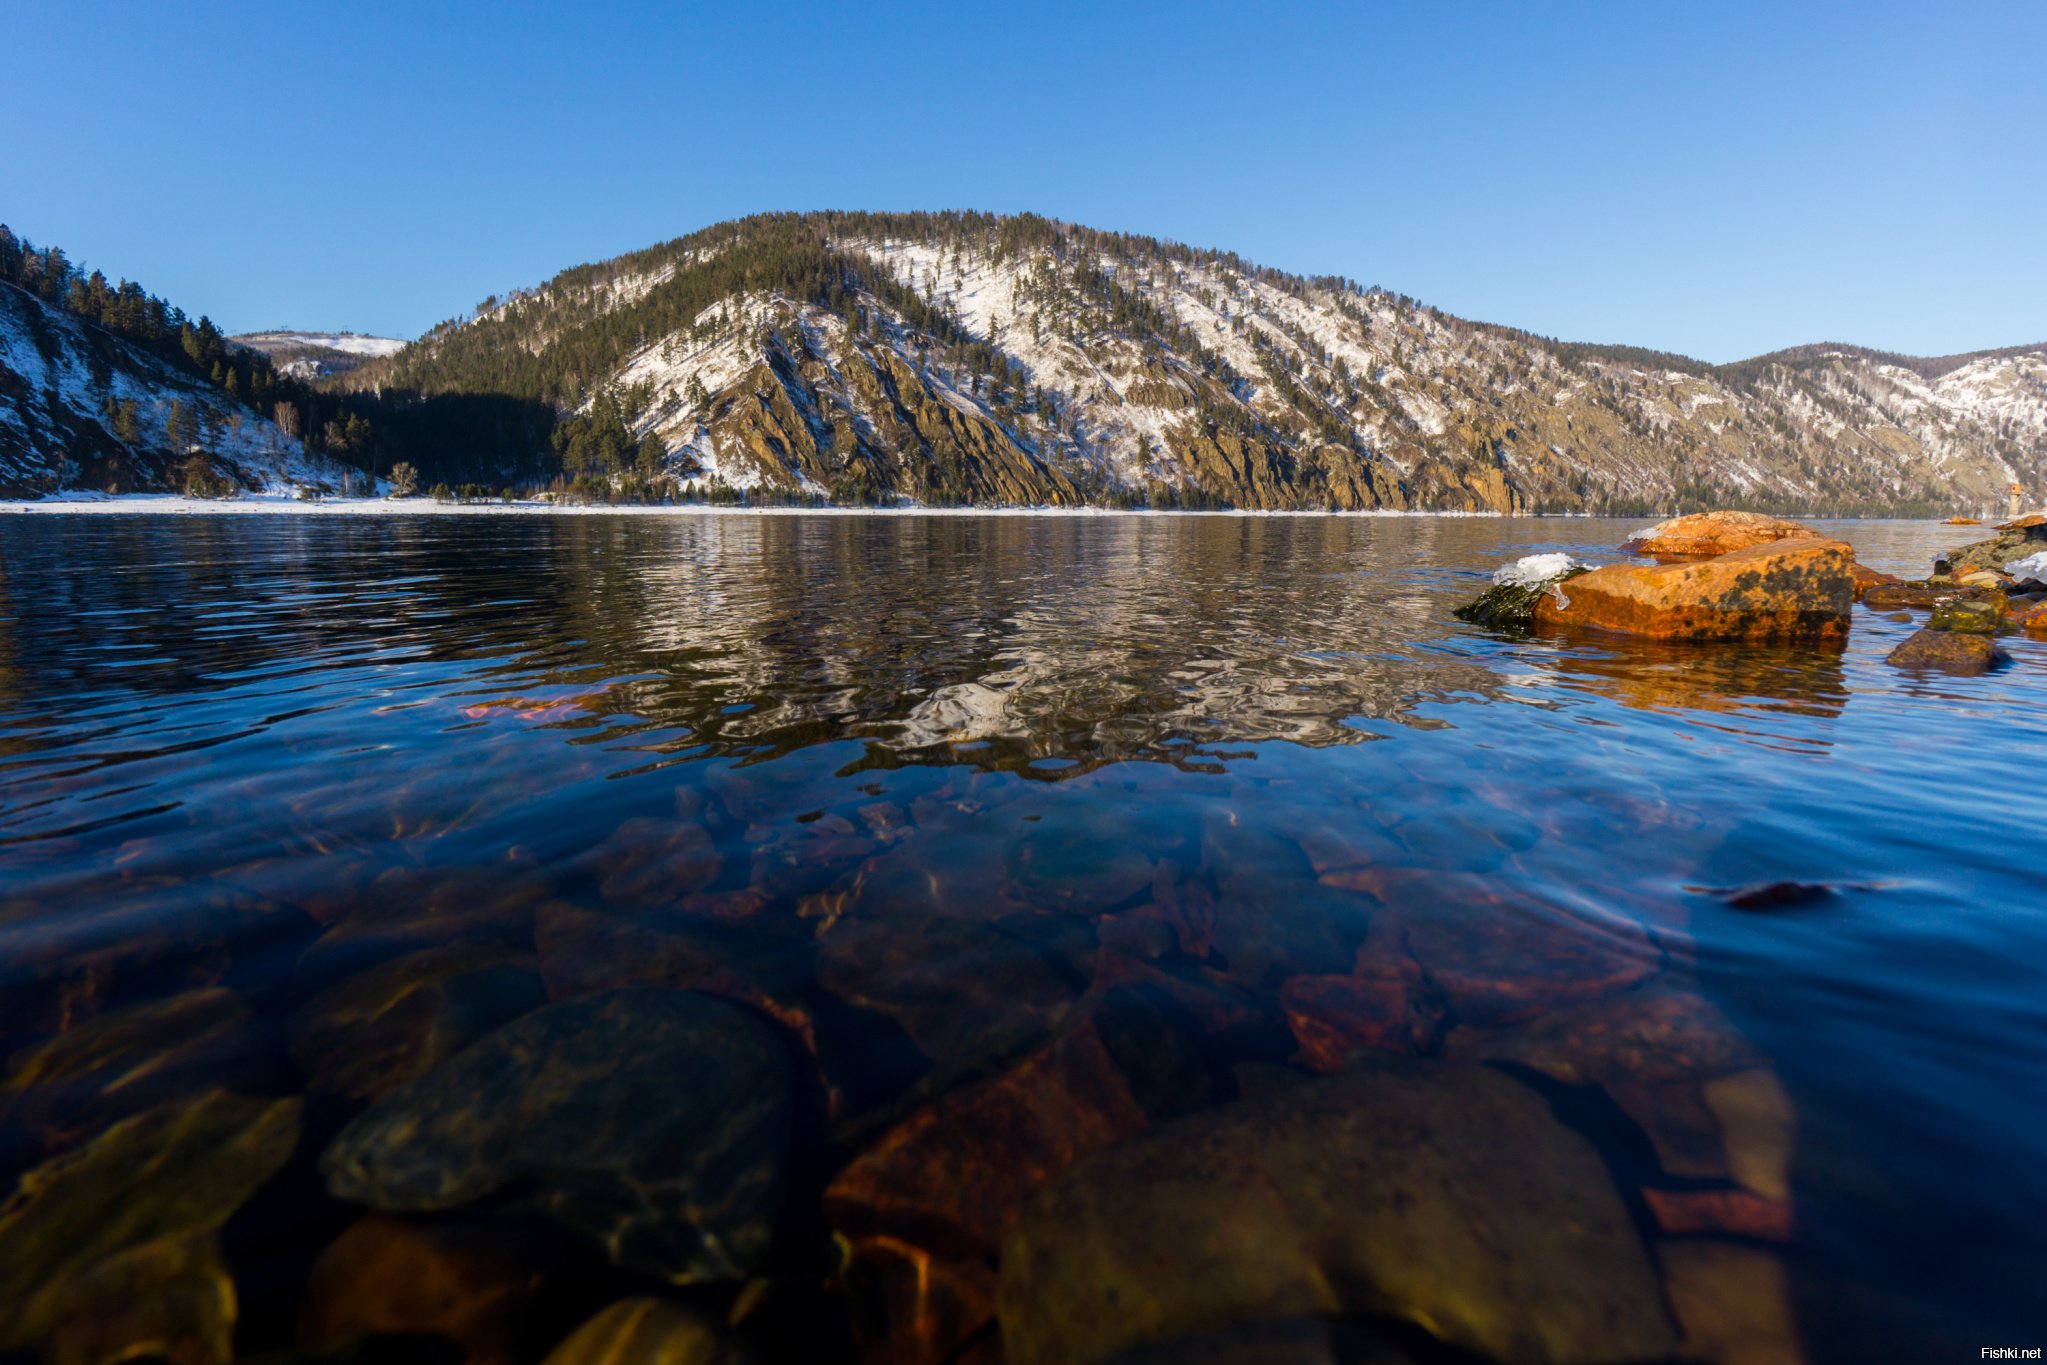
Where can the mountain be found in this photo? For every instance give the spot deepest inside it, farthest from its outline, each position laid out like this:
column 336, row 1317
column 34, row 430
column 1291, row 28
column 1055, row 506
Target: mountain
column 106, row 388
column 965, row 357
column 316, row 355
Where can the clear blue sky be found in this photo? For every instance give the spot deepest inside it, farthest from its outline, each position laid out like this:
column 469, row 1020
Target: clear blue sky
column 1715, row 179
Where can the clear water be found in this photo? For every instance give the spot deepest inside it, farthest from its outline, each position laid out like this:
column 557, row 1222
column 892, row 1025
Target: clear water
column 221, row 738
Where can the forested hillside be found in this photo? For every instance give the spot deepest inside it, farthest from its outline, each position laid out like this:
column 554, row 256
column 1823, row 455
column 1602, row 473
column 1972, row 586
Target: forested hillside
column 965, row 357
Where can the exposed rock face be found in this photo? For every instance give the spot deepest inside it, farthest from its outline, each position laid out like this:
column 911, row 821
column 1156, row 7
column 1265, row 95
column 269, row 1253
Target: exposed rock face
column 1705, row 534
column 112, row 1251
column 1948, row 651
column 1867, row 578
column 656, row 1123
column 1789, row 589
column 1443, row 1193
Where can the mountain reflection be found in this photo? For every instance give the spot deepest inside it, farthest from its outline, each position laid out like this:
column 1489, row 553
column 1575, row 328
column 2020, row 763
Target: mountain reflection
column 998, row 642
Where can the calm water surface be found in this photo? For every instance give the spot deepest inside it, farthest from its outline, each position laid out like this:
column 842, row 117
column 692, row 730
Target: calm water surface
column 300, row 808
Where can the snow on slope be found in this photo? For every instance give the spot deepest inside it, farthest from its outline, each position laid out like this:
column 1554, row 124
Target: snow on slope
column 58, row 376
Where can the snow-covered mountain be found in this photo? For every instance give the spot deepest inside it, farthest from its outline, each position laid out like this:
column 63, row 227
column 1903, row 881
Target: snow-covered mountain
column 956, row 356
column 315, row 355
column 82, row 409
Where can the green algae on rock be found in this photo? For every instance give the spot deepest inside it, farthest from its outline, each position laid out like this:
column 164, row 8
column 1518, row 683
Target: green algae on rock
column 1443, row 1193
column 655, row 1123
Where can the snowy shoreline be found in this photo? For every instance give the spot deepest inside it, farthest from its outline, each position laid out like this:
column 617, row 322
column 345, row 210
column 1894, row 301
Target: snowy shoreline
column 166, row 504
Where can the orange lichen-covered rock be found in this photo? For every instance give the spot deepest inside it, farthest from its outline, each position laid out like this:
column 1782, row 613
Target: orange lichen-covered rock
column 1867, row 578
column 1789, row 589
column 1704, row 534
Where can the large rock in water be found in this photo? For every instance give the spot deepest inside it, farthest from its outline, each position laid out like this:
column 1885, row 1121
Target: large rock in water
column 1443, row 1193
column 1799, row 589
column 656, row 1123
column 1705, row 534
column 1948, row 651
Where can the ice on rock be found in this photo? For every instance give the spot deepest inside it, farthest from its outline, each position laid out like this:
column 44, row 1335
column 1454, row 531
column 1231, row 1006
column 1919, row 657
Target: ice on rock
column 1532, row 571
column 2031, row 569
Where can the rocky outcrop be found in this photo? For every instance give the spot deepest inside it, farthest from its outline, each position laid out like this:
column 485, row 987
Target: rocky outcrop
column 1788, row 589
column 1701, row 535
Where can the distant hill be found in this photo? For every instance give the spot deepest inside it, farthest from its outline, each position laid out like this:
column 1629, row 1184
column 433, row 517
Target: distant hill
column 963, row 357
column 316, row 355
column 105, row 387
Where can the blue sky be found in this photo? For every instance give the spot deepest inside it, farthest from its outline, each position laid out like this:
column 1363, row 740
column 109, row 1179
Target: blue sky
column 1720, row 180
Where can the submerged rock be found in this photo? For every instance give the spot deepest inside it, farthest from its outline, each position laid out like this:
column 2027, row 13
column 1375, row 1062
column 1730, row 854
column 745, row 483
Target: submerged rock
column 111, row 1252
column 58, row 1092
column 1794, row 589
column 1443, row 1193
column 1286, row 1341
column 655, row 1123
column 401, row 1018
column 469, row 1282
column 1947, row 651
column 1703, row 535
column 649, row 1332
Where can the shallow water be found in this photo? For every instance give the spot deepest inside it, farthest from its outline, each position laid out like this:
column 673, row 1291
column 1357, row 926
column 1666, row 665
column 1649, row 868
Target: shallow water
column 247, row 761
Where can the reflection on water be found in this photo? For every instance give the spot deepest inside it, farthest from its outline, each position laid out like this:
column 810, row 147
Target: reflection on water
column 835, row 928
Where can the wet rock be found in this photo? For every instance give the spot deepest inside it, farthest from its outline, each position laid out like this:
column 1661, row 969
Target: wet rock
column 961, row 1169
column 1497, row 962
column 470, row 1282
column 1705, row 534
column 1092, row 867
column 1947, row 651
column 1442, row 1193
column 401, row 1018
column 1287, row 1341
column 1798, row 589
column 1758, row 1128
column 1731, row 1213
column 1971, row 616
column 965, row 992
column 913, row 1306
column 649, row 1332
column 1886, row 595
column 1642, row 1036
column 1385, row 1006
column 2034, row 622
column 1866, row 578
column 1732, row 1303
column 651, row 861
column 655, row 1123
column 586, row 952
column 1510, row 603
column 406, row 914
column 940, row 1189
column 1338, row 1019
column 56, row 1093
column 112, row 1250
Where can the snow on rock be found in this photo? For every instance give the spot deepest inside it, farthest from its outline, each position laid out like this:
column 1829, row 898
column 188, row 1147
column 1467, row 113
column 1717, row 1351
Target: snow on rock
column 1532, row 571
column 2031, row 569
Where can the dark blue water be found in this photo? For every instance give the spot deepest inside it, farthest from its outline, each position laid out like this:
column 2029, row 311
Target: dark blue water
column 227, row 745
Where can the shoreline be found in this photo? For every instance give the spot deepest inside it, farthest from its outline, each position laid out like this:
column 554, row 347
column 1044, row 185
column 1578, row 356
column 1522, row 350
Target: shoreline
column 173, row 504
column 176, row 504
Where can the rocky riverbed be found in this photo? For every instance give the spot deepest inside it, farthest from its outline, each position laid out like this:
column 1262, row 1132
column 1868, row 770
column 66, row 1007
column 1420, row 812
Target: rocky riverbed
column 1225, row 980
